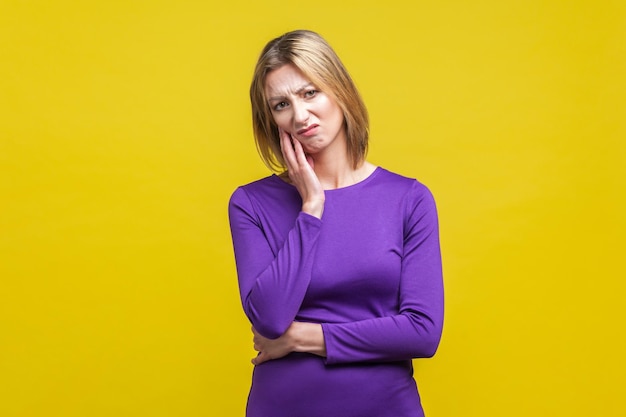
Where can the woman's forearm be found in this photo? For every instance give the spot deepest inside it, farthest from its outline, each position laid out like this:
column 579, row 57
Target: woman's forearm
column 299, row 337
column 307, row 337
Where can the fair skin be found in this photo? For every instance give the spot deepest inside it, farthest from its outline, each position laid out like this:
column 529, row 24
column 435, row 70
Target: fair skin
column 314, row 147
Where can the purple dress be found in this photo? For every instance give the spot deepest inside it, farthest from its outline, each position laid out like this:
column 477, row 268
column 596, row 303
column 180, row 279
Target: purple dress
column 369, row 271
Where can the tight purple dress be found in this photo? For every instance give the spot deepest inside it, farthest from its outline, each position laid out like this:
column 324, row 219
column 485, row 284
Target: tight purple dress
column 369, row 271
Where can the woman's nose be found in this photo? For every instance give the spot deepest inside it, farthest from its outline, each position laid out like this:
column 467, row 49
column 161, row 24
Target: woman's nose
column 300, row 113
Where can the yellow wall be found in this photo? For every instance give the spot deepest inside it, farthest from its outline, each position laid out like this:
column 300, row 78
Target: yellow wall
column 124, row 127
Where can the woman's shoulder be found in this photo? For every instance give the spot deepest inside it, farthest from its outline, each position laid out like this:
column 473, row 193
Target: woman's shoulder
column 413, row 197
column 273, row 181
column 270, row 188
column 401, row 182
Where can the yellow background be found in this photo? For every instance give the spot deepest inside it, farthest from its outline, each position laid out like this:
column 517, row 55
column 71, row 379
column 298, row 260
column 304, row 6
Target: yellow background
column 124, row 127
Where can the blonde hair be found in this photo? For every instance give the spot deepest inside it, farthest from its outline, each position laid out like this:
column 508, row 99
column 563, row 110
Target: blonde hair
column 312, row 55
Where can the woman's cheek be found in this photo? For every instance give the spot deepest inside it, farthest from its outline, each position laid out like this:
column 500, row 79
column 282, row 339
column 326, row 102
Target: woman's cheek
column 282, row 122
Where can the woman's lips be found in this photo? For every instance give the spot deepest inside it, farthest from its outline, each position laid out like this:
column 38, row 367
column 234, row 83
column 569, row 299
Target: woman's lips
column 308, row 131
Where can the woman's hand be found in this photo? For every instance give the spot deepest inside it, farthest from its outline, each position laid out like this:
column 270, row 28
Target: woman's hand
column 300, row 170
column 299, row 337
column 271, row 348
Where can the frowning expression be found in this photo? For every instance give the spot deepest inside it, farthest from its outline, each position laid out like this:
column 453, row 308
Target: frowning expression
column 310, row 115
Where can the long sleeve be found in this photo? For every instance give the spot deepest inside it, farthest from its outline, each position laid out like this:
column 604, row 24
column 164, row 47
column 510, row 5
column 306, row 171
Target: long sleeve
column 415, row 330
column 273, row 273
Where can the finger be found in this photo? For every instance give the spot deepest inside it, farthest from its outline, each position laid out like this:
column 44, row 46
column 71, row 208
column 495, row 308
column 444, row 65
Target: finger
column 299, row 152
column 257, row 344
column 303, row 162
column 286, row 146
column 310, row 160
column 261, row 357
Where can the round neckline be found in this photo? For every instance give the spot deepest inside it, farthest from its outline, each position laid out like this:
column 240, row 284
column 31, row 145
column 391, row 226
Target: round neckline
column 365, row 180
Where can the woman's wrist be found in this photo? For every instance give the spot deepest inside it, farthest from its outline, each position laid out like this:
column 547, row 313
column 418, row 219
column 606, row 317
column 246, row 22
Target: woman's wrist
column 315, row 208
column 309, row 338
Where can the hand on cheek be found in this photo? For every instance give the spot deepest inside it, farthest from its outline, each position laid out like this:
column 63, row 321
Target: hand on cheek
column 301, row 173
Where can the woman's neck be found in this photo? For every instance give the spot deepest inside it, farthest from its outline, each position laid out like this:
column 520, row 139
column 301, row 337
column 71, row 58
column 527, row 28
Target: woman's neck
column 340, row 173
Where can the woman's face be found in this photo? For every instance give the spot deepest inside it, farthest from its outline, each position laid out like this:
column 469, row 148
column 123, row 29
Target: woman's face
column 311, row 116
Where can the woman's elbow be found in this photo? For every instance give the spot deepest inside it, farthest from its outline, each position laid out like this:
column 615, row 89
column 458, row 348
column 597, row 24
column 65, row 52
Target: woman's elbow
column 429, row 347
column 267, row 321
column 268, row 330
column 427, row 339
column 268, row 326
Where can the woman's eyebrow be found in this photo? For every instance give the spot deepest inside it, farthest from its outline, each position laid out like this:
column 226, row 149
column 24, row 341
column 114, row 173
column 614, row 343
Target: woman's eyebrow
column 298, row 91
column 304, row 87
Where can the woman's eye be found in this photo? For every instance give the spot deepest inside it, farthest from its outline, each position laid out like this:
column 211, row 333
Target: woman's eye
column 280, row 105
column 310, row 93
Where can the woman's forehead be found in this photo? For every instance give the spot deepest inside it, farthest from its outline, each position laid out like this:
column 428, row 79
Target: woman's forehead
column 286, row 80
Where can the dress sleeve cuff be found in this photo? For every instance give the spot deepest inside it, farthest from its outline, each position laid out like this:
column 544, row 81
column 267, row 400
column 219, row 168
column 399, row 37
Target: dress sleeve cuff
column 329, row 342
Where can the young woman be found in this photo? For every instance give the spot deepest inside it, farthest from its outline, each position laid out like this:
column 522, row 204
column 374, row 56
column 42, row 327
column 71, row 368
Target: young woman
column 338, row 260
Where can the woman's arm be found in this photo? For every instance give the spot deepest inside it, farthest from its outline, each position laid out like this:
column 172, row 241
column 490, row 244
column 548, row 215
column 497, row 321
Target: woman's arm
column 299, row 337
column 272, row 282
column 416, row 330
column 272, row 285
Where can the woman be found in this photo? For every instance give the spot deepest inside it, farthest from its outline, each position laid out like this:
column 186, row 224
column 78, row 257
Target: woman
column 338, row 260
